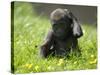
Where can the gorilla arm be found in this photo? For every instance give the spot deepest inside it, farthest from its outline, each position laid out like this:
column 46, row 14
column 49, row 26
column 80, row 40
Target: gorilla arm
column 45, row 48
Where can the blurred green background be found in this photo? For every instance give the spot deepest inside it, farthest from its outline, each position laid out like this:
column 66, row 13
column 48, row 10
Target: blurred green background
column 30, row 24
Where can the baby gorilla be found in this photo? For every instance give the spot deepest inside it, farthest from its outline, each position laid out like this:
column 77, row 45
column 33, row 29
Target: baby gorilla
column 63, row 36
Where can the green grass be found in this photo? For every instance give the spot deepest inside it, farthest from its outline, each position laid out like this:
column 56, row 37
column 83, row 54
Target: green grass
column 29, row 32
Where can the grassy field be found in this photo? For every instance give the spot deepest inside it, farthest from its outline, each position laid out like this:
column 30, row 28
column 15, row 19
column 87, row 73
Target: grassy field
column 29, row 32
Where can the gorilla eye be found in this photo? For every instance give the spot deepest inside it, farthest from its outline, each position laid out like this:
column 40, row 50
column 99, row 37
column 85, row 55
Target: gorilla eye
column 54, row 25
column 61, row 23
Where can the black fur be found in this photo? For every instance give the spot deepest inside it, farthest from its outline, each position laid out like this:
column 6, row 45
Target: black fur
column 64, row 34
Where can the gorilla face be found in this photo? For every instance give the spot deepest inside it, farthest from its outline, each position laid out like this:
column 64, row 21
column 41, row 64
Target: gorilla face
column 61, row 26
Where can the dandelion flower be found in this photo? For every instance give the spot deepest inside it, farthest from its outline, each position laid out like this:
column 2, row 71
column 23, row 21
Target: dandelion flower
column 49, row 68
column 92, row 56
column 61, row 61
column 36, row 68
column 28, row 66
column 59, row 64
column 75, row 62
column 93, row 62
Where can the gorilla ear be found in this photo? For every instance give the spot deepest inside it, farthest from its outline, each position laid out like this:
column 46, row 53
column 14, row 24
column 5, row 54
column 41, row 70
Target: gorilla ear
column 76, row 28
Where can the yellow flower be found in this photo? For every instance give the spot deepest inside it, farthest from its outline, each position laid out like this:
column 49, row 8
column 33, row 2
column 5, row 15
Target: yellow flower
column 28, row 66
column 92, row 56
column 49, row 68
column 75, row 62
column 93, row 62
column 61, row 61
column 59, row 64
column 36, row 68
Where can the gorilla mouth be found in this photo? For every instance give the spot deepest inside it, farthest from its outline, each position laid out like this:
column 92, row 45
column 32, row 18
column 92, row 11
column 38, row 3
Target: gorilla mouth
column 59, row 34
